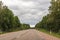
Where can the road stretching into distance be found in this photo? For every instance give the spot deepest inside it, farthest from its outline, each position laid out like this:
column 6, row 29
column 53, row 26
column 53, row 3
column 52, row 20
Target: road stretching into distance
column 30, row 34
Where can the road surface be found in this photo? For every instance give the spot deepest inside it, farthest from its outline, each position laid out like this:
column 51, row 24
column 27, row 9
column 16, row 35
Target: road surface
column 30, row 34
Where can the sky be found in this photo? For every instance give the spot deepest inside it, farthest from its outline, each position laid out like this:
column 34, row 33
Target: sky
column 28, row 11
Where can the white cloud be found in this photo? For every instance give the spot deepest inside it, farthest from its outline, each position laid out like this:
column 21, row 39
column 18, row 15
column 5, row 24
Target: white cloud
column 26, row 4
column 32, row 26
column 28, row 11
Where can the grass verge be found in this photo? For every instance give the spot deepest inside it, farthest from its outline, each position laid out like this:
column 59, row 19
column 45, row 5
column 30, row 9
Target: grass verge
column 53, row 34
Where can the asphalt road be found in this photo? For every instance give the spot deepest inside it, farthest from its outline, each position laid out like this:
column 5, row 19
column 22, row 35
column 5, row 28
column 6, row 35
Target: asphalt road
column 30, row 34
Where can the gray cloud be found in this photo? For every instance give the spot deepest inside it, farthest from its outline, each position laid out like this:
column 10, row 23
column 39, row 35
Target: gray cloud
column 29, row 11
column 14, row 7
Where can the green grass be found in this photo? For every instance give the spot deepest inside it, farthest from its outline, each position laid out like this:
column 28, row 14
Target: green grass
column 12, row 31
column 53, row 34
column 2, row 33
column 8, row 32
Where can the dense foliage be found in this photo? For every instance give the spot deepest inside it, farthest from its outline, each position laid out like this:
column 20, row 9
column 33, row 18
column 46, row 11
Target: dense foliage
column 9, row 22
column 51, row 22
column 25, row 26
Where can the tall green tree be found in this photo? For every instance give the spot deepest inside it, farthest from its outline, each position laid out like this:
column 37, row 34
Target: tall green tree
column 9, row 22
column 51, row 22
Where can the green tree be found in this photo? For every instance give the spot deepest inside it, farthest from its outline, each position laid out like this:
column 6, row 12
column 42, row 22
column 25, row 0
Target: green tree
column 25, row 26
column 51, row 22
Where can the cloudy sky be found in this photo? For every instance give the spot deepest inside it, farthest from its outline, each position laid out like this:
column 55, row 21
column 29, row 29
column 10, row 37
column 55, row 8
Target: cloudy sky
column 28, row 11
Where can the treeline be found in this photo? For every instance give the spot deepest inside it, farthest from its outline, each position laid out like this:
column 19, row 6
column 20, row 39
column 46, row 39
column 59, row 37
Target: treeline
column 9, row 22
column 51, row 22
column 25, row 26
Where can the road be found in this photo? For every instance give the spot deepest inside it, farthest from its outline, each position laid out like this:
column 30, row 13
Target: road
column 30, row 34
